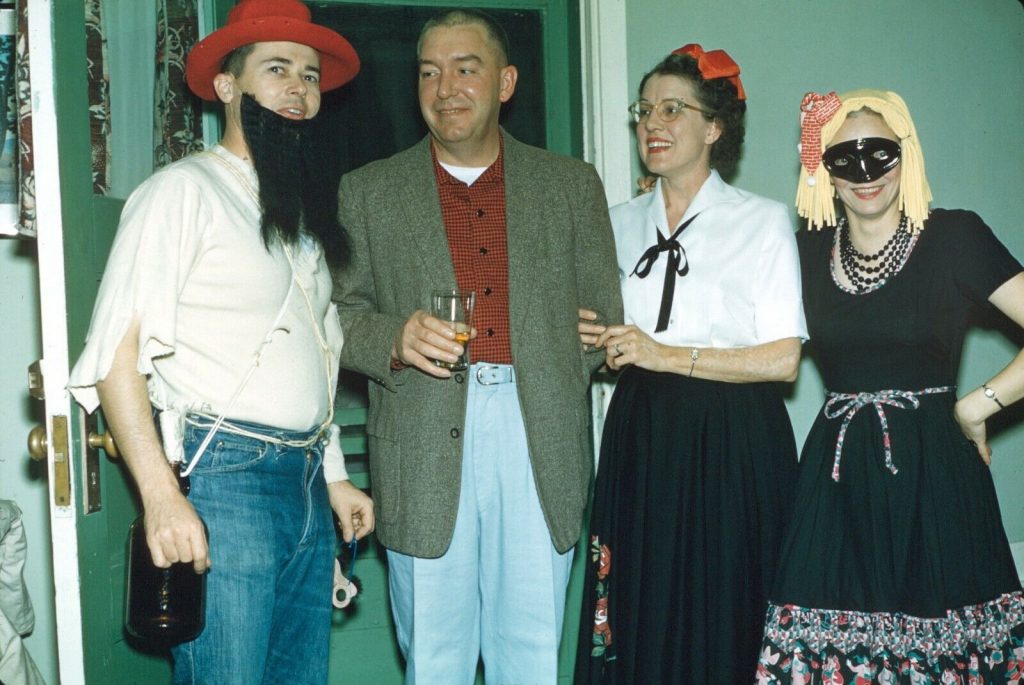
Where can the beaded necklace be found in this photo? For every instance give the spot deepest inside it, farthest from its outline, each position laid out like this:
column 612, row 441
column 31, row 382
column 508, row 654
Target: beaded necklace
column 868, row 273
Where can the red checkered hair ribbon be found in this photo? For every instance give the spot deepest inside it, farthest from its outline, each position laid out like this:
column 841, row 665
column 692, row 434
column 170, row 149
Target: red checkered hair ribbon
column 714, row 64
column 815, row 111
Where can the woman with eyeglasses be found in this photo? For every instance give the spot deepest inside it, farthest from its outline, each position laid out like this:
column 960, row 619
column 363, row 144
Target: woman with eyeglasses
column 896, row 567
column 698, row 455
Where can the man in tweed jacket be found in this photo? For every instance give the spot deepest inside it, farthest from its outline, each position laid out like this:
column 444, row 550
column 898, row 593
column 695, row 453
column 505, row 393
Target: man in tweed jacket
column 480, row 476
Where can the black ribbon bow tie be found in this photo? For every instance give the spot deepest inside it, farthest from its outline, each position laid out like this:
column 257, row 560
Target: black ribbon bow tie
column 678, row 264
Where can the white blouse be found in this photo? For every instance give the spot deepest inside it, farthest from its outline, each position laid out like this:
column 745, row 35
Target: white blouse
column 743, row 283
column 190, row 263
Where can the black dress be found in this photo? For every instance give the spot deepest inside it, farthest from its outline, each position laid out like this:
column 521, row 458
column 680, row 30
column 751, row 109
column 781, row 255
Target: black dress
column 896, row 567
column 689, row 509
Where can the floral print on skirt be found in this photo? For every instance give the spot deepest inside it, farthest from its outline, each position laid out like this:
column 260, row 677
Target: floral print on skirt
column 601, row 558
column 977, row 645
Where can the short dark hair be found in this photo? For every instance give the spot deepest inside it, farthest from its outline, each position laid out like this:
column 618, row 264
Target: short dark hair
column 719, row 97
column 234, row 62
column 467, row 17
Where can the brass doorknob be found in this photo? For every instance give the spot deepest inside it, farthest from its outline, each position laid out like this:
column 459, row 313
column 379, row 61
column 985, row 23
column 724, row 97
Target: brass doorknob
column 104, row 441
column 37, row 443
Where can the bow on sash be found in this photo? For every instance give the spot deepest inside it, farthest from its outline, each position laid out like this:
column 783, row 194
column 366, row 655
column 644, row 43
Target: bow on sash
column 678, row 265
column 848, row 404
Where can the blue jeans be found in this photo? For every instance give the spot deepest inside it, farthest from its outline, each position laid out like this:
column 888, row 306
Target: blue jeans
column 272, row 540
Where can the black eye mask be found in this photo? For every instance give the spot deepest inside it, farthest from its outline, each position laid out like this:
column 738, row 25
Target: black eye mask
column 862, row 160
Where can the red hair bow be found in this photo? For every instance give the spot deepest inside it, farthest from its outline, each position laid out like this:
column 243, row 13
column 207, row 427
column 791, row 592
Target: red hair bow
column 815, row 111
column 714, row 64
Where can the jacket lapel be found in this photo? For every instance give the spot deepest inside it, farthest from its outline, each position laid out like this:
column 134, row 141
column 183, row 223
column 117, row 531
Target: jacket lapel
column 421, row 209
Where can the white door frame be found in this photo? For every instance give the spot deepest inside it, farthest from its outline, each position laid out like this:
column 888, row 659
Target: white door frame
column 606, row 134
column 53, row 315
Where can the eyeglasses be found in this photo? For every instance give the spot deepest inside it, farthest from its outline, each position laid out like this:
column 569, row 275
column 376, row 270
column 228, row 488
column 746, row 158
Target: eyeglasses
column 668, row 110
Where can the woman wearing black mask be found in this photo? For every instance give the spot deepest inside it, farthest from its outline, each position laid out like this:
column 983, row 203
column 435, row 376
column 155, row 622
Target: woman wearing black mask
column 896, row 567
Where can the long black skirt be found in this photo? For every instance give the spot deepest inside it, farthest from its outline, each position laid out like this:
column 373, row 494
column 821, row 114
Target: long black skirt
column 902, row 577
column 692, row 495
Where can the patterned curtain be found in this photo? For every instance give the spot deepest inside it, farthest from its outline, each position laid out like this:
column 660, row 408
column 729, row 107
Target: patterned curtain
column 177, row 123
column 26, row 168
column 99, row 96
column 99, row 112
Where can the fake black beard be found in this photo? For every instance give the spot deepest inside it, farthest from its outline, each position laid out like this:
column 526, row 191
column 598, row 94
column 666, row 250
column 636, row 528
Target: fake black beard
column 291, row 189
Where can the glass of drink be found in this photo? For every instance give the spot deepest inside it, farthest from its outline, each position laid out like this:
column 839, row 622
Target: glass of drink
column 455, row 307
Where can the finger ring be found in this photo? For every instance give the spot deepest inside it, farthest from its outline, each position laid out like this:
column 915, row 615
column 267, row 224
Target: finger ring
column 617, row 350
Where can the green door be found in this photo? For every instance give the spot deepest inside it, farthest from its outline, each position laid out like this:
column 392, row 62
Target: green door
column 90, row 500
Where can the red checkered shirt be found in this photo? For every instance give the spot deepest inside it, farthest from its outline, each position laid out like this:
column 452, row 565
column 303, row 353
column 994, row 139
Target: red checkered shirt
column 474, row 219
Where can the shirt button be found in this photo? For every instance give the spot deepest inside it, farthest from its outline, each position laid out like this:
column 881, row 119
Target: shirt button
column 454, row 432
column 483, row 250
column 458, row 378
column 487, row 291
column 479, row 213
column 490, row 332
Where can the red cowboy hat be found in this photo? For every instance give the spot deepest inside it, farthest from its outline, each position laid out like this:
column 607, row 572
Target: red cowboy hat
column 258, row 21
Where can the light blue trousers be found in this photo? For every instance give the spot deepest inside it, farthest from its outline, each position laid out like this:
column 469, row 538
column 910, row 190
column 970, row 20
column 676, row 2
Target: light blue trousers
column 499, row 590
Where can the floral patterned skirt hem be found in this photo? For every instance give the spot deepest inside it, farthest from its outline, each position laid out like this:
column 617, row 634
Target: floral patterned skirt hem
column 981, row 644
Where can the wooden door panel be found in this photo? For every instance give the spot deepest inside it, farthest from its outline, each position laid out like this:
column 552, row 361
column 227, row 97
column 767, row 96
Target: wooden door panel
column 87, row 224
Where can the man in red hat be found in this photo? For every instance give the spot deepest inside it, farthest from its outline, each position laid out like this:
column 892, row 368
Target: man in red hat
column 215, row 310
column 480, row 475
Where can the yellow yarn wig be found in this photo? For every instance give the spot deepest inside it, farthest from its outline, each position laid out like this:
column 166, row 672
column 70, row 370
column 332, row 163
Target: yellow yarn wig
column 820, row 118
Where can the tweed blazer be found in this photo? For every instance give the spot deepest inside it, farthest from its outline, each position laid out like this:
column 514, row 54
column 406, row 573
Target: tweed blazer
column 561, row 256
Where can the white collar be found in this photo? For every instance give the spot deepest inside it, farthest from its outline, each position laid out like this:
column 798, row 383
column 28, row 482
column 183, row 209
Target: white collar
column 712, row 192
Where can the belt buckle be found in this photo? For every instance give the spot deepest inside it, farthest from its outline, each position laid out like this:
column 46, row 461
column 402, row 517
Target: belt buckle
column 485, row 375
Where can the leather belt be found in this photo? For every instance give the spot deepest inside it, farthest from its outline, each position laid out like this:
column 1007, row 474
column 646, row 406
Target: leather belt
column 493, row 374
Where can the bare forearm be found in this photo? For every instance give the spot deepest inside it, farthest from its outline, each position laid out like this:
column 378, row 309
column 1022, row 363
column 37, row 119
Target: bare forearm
column 125, row 401
column 173, row 529
column 774, row 361
column 1006, row 387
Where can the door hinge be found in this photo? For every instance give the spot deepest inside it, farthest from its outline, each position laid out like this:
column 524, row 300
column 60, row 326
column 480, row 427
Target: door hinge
column 35, row 381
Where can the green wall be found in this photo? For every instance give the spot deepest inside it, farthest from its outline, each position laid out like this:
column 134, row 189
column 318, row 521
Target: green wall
column 22, row 480
column 957, row 64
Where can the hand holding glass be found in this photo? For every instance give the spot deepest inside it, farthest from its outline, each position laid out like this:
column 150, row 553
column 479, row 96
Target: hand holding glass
column 455, row 308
